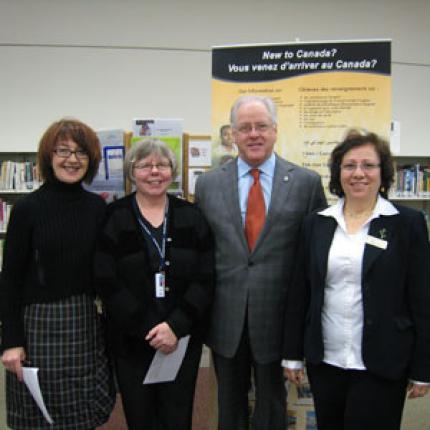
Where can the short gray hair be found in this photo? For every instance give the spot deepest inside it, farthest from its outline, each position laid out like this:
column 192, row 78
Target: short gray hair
column 144, row 149
column 266, row 101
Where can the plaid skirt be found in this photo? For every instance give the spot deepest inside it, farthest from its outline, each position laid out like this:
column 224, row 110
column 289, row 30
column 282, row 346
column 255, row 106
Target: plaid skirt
column 65, row 341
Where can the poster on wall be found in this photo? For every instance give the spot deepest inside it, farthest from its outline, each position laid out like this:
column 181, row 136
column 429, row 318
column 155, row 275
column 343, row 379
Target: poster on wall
column 321, row 89
column 109, row 181
column 170, row 132
column 200, row 153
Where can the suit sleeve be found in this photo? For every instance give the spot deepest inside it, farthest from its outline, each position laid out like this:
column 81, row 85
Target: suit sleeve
column 419, row 298
column 317, row 196
column 298, row 297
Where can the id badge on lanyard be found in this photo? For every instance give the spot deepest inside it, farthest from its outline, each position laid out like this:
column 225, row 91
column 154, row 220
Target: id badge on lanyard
column 160, row 276
column 160, row 285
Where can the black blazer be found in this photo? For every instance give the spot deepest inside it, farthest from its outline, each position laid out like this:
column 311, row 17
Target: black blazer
column 395, row 292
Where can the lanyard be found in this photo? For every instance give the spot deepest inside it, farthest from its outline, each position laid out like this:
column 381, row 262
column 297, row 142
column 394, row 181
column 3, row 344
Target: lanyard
column 161, row 249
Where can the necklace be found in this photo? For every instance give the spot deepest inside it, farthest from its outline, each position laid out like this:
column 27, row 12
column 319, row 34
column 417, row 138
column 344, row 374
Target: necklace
column 358, row 215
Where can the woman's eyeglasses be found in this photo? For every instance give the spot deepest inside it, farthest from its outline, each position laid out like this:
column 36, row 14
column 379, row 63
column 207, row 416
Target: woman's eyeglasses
column 162, row 167
column 365, row 167
column 66, row 153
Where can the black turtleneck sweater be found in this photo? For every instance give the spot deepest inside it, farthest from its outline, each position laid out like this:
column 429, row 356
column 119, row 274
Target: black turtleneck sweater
column 48, row 253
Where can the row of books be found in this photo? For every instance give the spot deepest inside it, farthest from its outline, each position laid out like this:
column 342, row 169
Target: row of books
column 18, row 175
column 5, row 209
column 412, row 181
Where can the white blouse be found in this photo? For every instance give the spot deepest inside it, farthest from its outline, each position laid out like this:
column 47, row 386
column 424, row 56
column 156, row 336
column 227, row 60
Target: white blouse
column 342, row 313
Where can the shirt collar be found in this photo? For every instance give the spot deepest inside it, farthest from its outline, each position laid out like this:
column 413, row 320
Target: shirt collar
column 267, row 167
column 382, row 207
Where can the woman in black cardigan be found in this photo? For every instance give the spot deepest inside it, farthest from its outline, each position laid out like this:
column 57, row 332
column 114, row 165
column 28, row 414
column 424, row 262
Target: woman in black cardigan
column 154, row 270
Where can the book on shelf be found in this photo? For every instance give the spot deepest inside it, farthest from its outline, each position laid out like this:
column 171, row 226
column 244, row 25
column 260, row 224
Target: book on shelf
column 5, row 209
column 412, row 180
column 18, row 176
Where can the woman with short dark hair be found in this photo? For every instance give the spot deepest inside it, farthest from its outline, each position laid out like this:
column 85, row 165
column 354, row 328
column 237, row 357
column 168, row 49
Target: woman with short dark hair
column 49, row 318
column 358, row 310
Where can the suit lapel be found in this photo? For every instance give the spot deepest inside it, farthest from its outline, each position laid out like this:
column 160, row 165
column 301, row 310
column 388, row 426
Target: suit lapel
column 380, row 228
column 325, row 228
column 231, row 198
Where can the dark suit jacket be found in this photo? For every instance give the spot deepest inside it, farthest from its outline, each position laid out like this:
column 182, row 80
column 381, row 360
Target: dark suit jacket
column 395, row 292
column 254, row 285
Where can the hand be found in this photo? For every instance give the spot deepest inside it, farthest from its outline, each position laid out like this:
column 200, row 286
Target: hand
column 162, row 337
column 295, row 376
column 417, row 390
column 12, row 359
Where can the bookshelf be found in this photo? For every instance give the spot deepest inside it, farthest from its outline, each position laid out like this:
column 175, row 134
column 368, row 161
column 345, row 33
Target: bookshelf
column 17, row 177
column 412, row 183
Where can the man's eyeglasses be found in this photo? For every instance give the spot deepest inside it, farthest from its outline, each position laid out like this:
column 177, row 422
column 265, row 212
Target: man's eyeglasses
column 365, row 167
column 66, row 153
column 162, row 167
column 259, row 128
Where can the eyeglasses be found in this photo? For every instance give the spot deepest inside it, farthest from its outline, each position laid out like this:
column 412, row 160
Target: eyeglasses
column 66, row 153
column 365, row 167
column 162, row 167
column 259, row 128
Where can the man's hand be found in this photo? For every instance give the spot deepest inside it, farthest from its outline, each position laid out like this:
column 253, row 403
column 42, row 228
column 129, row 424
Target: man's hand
column 417, row 390
column 295, row 376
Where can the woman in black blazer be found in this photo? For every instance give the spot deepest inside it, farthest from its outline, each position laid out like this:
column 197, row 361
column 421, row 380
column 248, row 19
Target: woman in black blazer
column 154, row 270
column 358, row 310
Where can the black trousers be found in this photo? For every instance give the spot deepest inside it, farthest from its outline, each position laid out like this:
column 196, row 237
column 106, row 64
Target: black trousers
column 164, row 406
column 355, row 399
column 233, row 377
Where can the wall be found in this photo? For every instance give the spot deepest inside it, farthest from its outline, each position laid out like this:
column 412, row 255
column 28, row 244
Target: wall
column 107, row 61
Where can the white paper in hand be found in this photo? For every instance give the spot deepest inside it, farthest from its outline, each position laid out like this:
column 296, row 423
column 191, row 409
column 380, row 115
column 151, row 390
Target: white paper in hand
column 32, row 382
column 165, row 367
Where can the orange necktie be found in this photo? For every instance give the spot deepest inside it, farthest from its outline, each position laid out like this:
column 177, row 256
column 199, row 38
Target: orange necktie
column 255, row 211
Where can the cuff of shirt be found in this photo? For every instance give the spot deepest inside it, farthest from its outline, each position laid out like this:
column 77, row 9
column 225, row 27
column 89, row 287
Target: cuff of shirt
column 292, row 364
column 418, row 382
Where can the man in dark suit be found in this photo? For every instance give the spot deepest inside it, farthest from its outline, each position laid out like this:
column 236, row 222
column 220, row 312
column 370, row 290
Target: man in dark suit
column 255, row 242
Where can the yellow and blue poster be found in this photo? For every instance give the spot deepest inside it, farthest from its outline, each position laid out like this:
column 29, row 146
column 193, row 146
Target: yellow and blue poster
column 321, row 89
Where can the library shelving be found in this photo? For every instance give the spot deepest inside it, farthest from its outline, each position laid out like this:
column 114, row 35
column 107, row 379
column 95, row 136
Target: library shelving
column 17, row 177
column 412, row 183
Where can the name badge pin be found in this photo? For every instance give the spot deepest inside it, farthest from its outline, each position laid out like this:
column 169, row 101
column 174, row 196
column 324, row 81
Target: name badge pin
column 378, row 243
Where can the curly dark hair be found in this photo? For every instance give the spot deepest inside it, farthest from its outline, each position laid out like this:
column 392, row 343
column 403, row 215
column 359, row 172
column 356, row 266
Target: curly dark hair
column 84, row 136
column 356, row 138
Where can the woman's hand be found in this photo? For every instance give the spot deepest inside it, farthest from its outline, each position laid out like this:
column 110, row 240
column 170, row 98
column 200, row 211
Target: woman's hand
column 162, row 337
column 295, row 376
column 417, row 390
column 12, row 359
